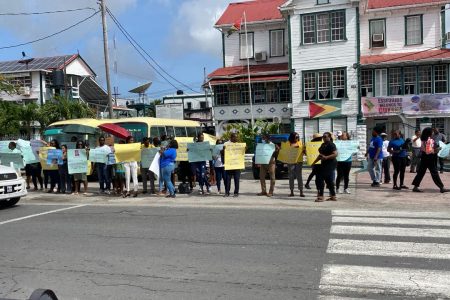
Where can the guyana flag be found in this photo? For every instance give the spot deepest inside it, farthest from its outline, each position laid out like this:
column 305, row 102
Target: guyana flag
column 235, row 27
column 324, row 109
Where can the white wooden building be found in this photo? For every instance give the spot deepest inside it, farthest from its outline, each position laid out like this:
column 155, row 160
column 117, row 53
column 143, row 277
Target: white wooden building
column 267, row 37
column 324, row 55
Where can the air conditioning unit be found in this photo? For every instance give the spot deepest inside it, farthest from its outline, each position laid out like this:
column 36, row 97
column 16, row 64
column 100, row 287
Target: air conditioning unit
column 261, row 56
column 447, row 36
column 377, row 37
column 24, row 90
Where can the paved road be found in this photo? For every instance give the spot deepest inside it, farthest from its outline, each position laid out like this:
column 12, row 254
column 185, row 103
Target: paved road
column 130, row 252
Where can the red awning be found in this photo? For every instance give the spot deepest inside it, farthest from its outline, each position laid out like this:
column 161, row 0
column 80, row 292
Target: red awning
column 407, row 57
column 115, row 130
column 252, row 79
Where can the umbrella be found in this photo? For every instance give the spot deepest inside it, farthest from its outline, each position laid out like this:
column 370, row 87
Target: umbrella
column 78, row 128
column 115, row 130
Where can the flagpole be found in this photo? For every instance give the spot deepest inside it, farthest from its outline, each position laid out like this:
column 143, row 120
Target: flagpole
column 248, row 71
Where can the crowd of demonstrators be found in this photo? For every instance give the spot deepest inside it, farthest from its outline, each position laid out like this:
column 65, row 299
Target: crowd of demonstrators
column 343, row 167
column 295, row 170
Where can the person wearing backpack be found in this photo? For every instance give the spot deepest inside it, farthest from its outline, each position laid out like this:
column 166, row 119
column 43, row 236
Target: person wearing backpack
column 429, row 151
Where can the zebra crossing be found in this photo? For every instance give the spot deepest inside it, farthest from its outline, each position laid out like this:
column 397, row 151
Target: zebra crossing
column 387, row 255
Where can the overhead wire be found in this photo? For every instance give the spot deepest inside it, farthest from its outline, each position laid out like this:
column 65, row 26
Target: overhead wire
column 143, row 50
column 46, row 12
column 51, row 35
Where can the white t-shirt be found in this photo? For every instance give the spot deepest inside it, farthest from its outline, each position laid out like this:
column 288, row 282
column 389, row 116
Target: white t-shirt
column 105, row 148
column 417, row 143
column 384, row 149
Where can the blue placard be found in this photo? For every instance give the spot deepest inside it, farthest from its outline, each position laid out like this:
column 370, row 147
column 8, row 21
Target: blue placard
column 54, row 156
column 264, row 153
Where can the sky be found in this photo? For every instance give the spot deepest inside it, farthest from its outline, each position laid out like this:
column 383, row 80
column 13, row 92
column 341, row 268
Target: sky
column 178, row 34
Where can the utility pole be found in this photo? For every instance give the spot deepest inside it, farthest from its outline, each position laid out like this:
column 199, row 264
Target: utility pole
column 106, row 54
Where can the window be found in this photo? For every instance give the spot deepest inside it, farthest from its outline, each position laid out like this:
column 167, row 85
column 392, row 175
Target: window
column 395, row 81
column 381, row 82
column 339, row 125
column 277, row 43
column 410, row 79
column 425, row 80
column 246, row 52
column 154, row 132
column 189, row 105
column 245, row 97
column 191, row 131
column 309, row 80
column 221, row 94
column 323, row 1
column 284, row 91
column 271, row 92
column 413, row 30
column 203, row 105
column 324, row 84
column 170, row 131
column 323, row 27
column 377, row 30
column 311, row 127
column 259, row 93
column 366, row 83
column 180, row 131
column 440, row 79
column 18, row 79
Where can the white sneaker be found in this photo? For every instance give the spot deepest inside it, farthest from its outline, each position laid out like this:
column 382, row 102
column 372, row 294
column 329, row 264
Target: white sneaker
column 346, row 191
column 338, row 191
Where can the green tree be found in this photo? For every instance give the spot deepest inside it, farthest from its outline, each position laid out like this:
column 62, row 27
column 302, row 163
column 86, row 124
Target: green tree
column 6, row 86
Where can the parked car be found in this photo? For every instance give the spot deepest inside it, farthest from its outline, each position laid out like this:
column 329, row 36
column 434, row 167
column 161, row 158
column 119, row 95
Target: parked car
column 12, row 186
column 281, row 168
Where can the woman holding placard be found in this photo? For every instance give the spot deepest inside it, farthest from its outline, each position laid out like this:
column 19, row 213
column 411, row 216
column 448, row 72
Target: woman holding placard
column 167, row 165
column 295, row 170
column 325, row 171
column 201, row 171
column 131, row 169
column 80, row 177
column 343, row 167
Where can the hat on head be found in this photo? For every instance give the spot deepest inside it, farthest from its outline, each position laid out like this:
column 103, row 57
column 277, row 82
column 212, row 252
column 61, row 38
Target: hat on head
column 339, row 133
column 317, row 135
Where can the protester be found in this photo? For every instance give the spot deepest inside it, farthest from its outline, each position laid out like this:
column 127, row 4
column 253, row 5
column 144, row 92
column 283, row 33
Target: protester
column 131, row 173
column 219, row 169
column 146, row 174
column 80, row 177
column 428, row 157
column 231, row 174
column 386, row 163
column 103, row 173
column 295, row 170
column 55, row 184
column 268, row 168
column 325, row 170
column 375, row 156
column 416, row 145
column 65, row 178
column 167, row 166
column 397, row 147
column 343, row 168
column 439, row 137
column 317, row 137
column 118, row 172
column 36, row 176
column 201, row 170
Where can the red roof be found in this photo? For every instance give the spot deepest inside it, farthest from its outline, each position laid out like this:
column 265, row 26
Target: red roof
column 376, row 4
column 258, row 73
column 426, row 55
column 255, row 11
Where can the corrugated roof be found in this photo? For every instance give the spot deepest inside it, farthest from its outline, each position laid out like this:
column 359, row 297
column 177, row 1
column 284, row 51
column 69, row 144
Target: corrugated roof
column 256, row 11
column 255, row 70
column 377, row 4
column 421, row 56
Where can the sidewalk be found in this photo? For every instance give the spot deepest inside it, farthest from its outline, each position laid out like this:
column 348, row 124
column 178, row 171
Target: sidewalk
column 362, row 196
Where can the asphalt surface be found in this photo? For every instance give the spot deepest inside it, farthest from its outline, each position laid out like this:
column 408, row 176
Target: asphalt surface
column 129, row 252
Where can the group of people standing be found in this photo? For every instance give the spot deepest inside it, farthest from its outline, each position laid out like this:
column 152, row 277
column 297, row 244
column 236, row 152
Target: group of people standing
column 424, row 147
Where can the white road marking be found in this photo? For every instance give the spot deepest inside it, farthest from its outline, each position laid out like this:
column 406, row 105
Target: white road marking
column 41, row 214
column 401, row 221
column 406, row 214
column 385, row 248
column 432, row 284
column 391, row 231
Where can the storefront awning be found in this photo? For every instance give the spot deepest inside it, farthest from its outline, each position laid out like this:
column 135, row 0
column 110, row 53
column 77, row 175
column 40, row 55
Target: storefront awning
column 420, row 57
column 253, row 80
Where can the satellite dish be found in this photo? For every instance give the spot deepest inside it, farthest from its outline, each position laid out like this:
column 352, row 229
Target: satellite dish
column 141, row 89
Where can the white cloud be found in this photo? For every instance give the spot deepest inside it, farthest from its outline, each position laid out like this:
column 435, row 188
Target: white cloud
column 193, row 27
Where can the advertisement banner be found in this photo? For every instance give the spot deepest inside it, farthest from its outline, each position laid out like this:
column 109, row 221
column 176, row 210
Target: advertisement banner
column 290, row 155
column 312, row 151
column 235, row 156
column 147, row 156
column 346, row 149
column 199, row 152
column 77, row 161
column 263, row 153
column 411, row 105
column 127, row 152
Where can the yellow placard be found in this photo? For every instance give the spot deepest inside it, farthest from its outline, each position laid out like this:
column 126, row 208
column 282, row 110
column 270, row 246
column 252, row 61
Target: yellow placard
column 235, row 156
column 312, row 151
column 89, row 168
column 43, row 151
column 289, row 154
column 127, row 152
column 182, row 154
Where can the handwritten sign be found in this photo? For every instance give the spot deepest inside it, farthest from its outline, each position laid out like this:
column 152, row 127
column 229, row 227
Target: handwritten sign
column 16, row 158
column 445, row 150
column 154, row 166
column 289, row 154
column 235, row 156
column 263, row 153
column 99, row 155
column 312, row 152
column 128, row 152
column 346, row 149
column 77, row 161
column 147, row 156
column 182, row 153
column 199, row 152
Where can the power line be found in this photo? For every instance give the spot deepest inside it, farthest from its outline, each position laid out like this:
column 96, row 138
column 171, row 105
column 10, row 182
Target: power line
column 53, row 34
column 46, row 12
column 143, row 50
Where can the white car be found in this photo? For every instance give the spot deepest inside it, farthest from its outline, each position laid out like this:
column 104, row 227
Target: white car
column 12, row 186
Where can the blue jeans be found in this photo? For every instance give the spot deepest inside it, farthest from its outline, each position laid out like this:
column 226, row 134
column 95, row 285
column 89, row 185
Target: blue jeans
column 103, row 176
column 200, row 172
column 220, row 175
column 374, row 168
column 166, row 174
